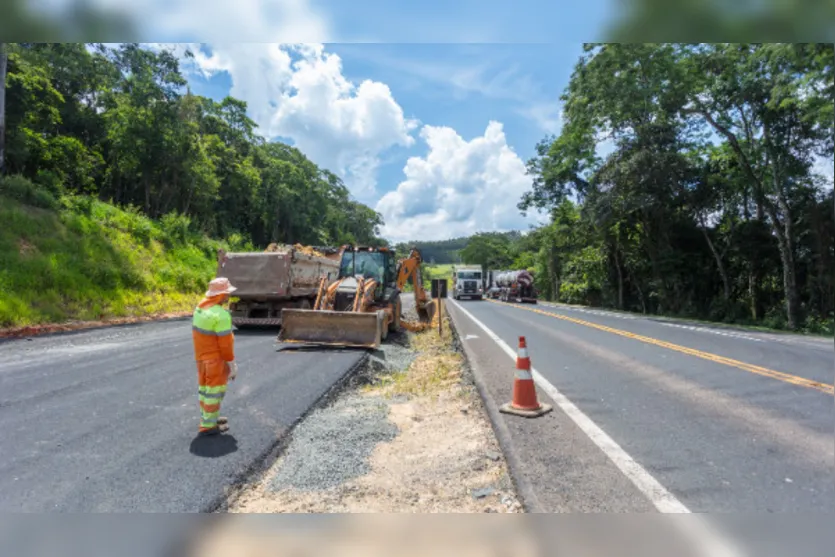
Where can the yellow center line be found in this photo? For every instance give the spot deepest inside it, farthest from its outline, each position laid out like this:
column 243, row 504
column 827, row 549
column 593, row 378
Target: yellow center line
column 786, row 377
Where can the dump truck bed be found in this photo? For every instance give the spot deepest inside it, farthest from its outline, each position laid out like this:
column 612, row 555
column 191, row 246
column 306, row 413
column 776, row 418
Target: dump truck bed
column 276, row 275
column 267, row 282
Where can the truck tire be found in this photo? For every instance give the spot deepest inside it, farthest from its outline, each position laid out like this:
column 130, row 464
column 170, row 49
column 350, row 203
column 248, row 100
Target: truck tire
column 394, row 326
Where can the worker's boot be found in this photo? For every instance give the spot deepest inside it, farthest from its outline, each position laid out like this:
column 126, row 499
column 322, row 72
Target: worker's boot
column 213, row 431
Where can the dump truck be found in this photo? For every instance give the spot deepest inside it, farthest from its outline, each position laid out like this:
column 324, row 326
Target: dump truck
column 516, row 286
column 277, row 278
column 363, row 304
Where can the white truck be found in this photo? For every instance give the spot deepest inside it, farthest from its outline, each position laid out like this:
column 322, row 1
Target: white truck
column 467, row 282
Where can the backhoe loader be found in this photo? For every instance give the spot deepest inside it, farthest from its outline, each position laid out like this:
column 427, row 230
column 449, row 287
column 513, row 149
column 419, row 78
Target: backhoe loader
column 363, row 305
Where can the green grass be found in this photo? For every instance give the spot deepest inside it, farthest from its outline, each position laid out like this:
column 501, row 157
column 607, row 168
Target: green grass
column 433, row 272
column 85, row 260
column 439, row 271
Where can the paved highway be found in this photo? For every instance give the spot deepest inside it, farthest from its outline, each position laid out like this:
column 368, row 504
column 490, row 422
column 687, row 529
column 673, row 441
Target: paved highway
column 716, row 419
column 106, row 420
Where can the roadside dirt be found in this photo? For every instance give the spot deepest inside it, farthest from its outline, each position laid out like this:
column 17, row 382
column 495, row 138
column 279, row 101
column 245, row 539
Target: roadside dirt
column 440, row 457
column 47, row 328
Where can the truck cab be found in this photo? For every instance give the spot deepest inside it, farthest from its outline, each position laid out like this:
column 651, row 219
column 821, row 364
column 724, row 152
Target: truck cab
column 468, row 283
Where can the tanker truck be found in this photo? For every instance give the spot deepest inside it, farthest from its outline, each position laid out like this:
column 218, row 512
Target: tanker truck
column 516, row 286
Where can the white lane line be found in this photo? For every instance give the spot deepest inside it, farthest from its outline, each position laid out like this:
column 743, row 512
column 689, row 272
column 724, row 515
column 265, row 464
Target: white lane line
column 710, row 542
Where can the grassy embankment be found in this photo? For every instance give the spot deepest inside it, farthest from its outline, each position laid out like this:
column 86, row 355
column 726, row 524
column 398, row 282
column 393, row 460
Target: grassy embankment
column 78, row 259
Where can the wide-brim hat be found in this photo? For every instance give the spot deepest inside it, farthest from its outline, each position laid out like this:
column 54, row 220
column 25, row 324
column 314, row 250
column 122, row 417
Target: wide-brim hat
column 219, row 286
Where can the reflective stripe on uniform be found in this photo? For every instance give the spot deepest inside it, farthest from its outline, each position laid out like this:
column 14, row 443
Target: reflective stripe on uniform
column 203, row 331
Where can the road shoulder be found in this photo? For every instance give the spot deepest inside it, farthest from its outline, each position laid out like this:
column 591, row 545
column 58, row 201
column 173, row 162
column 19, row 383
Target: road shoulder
column 409, row 434
column 554, row 463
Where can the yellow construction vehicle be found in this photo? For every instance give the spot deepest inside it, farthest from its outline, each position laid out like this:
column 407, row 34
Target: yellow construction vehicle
column 363, row 305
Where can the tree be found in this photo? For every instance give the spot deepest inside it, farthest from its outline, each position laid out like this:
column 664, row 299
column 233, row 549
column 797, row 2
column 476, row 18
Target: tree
column 3, row 62
column 711, row 142
column 490, row 250
column 120, row 123
column 753, row 97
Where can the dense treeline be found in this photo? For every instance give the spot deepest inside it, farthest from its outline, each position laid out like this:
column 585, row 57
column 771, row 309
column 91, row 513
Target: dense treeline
column 121, row 124
column 438, row 252
column 708, row 206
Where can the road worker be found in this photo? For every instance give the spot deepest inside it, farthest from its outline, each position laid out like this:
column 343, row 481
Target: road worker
column 214, row 351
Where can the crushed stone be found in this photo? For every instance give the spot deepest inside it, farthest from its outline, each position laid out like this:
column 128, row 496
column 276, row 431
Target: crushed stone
column 392, row 358
column 333, row 444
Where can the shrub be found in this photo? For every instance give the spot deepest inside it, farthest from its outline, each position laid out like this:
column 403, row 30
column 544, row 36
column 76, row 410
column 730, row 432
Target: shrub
column 24, row 190
column 80, row 204
column 176, row 229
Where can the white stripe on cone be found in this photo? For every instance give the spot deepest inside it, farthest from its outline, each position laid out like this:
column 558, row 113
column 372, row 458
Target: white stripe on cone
column 524, row 374
column 523, row 352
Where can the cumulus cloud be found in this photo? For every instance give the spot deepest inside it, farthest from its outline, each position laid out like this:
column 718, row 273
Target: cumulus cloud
column 459, row 188
column 486, row 71
column 299, row 92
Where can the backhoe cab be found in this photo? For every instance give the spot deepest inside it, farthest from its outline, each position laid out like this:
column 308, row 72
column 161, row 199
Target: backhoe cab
column 363, row 305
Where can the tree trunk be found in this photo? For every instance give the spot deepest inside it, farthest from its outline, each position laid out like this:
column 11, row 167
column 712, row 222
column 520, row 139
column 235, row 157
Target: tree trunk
column 620, row 280
column 790, row 285
column 753, row 294
column 725, row 282
column 642, row 298
column 785, row 243
column 147, row 184
column 3, row 63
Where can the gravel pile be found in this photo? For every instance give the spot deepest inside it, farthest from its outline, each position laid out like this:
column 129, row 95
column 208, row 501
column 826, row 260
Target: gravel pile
column 333, row 444
column 392, row 358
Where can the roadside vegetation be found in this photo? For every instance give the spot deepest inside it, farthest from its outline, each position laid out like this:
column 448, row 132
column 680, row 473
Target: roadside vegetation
column 80, row 259
column 117, row 185
column 707, row 203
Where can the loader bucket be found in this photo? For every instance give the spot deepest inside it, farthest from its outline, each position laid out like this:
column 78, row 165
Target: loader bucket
column 331, row 328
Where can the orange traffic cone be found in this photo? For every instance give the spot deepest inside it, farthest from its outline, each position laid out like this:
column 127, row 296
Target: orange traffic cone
column 524, row 401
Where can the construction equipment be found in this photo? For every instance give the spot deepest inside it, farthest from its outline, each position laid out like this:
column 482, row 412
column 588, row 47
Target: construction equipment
column 279, row 277
column 363, row 305
column 516, row 286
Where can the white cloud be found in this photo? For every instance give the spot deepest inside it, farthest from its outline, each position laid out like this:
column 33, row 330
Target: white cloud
column 500, row 78
column 299, row 92
column 460, row 187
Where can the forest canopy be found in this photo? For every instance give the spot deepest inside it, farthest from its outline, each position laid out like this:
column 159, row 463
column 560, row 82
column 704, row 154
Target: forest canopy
column 708, row 205
column 122, row 125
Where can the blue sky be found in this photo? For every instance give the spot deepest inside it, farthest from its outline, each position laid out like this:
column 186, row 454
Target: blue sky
column 427, row 110
column 447, row 92
column 513, row 80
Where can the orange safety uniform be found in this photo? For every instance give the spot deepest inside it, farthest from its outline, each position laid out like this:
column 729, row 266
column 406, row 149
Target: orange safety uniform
column 214, row 347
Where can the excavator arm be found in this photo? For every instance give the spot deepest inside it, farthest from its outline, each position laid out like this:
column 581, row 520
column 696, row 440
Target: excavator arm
column 409, row 268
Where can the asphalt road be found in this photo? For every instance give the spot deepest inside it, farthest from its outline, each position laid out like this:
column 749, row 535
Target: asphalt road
column 106, row 420
column 725, row 420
